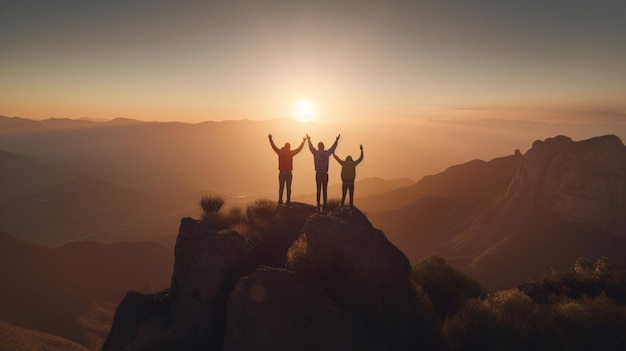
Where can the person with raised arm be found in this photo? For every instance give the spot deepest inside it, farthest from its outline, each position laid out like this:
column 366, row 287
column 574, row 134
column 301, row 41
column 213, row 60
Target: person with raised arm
column 348, row 174
column 285, row 166
column 321, row 158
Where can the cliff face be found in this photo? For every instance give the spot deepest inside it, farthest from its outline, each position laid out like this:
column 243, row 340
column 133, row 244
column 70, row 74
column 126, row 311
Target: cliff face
column 517, row 217
column 566, row 200
column 581, row 181
column 340, row 285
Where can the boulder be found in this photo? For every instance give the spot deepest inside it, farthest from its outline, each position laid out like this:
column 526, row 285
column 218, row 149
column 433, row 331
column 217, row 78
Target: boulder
column 207, row 265
column 364, row 273
column 191, row 315
column 139, row 323
column 272, row 309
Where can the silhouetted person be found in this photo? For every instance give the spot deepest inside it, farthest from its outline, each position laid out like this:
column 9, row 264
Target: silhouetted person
column 285, row 166
column 321, row 157
column 348, row 174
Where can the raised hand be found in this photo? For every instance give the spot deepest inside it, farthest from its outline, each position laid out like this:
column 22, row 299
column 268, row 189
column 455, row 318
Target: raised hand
column 361, row 146
column 308, row 137
column 269, row 135
column 338, row 136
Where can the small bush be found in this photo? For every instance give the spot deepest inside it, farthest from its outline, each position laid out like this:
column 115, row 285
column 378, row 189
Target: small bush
column 262, row 209
column 211, row 205
column 587, row 279
column 297, row 253
column 447, row 287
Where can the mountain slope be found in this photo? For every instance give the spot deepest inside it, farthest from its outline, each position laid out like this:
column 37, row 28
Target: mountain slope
column 462, row 182
column 22, row 175
column 71, row 291
column 80, row 208
column 20, row 339
column 564, row 200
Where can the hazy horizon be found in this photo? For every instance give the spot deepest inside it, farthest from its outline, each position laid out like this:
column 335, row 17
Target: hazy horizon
column 191, row 156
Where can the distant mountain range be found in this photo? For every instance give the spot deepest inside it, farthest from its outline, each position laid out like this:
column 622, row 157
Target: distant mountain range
column 83, row 207
column 364, row 188
column 71, row 291
column 234, row 157
column 22, row 175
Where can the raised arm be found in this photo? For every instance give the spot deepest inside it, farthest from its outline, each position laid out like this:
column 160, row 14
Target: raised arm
column 332, row 148
column 269, row 136
column 295, row 152
column 361, row 157
column 308, row 138
column 338, row 159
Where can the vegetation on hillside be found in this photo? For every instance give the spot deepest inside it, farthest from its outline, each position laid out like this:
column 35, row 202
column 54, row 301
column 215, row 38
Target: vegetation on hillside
column 580, row 310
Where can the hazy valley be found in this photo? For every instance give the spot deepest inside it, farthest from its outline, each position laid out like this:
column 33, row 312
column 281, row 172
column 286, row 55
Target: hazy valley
column 91, row 210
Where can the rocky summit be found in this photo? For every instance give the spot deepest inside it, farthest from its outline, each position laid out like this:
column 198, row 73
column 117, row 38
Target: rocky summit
column 340, row 285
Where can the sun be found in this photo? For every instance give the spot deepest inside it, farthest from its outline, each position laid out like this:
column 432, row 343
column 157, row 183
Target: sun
column 304, row 111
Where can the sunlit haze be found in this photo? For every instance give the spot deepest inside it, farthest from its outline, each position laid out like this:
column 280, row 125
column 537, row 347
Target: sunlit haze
column 396, row 60
column 304, row 111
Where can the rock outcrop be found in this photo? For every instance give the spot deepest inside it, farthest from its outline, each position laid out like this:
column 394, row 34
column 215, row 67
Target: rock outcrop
column 188, row 316
column 341, row 286
column 582, row 181
column 272, row 309
column 361, row 270
column 207, row 266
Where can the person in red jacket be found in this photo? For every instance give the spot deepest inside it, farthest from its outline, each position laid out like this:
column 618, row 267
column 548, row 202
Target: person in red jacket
column 285, row 166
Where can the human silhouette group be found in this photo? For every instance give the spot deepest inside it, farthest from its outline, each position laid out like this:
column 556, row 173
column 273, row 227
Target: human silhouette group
column 321, row 158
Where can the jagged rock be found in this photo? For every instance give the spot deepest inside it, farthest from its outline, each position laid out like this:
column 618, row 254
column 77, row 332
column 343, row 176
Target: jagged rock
column 350, row 290
column 207, row 266
column 278, row 230
column 272, row 309
column 582, row 181
column 364, row 273
column 139, row 322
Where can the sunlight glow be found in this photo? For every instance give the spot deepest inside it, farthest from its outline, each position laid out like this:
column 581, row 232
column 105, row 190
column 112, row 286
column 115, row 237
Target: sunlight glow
column 304, row 111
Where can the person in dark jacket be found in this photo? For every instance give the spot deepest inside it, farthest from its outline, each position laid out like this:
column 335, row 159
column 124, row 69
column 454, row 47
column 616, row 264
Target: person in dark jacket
column 285, row 166
column 348, row 174
column 320, row 158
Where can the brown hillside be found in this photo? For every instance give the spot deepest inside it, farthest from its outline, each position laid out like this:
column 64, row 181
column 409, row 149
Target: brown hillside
column 71, row 291
column 466, row 181
column 14, row 338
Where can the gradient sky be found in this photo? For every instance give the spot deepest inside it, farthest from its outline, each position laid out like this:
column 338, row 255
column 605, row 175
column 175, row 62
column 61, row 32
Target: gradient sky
column 202, row 60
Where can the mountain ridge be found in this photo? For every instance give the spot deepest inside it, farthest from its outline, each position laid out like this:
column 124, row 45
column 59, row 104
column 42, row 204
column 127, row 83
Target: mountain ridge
column 547, row 205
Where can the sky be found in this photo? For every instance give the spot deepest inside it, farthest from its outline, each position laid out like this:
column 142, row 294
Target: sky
column 194, row 61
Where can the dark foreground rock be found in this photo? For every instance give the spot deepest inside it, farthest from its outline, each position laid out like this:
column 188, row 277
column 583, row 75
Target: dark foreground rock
column 206, row 268
column 336, row 283
column 366, row 274
column 273, row 310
